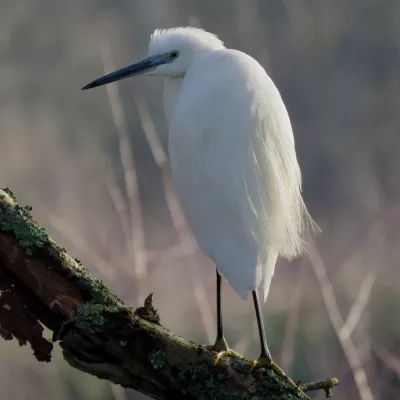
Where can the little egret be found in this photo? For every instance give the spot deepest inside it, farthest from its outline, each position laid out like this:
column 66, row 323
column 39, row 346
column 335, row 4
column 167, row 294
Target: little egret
column 233, row 161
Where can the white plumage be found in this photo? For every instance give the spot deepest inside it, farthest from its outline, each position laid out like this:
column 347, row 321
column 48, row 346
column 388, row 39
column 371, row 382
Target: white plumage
column 233, row 161
column 231, row 151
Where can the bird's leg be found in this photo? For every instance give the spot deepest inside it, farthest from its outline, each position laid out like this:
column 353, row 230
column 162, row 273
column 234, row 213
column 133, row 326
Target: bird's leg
column 220, row 346
column 220, row 343
column 265, row 359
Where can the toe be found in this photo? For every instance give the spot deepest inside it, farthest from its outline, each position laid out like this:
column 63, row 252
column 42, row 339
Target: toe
column 222, row 354
column 266, row 363
column 278, row 370
column 252, row 363
column 221, row 345
column 218, row 356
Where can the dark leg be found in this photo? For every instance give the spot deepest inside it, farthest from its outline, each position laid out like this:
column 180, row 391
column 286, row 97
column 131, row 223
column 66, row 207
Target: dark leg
column 220, row 343
column 265, row 353
column 265, row 359
column 220, row 346
column 220, row 333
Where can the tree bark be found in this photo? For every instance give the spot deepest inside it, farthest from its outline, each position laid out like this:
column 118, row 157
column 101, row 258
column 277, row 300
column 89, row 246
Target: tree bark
column 41, row 284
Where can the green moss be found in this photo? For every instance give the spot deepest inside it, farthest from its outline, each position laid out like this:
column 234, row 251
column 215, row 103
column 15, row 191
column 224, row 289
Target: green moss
column 204, row 385
column 157, row 359
column 241, row 364
column 18, row 220
column 281, row 388
column 99, row 292
column 149, row 314
column 91, row 316
column 94, row 289
column 8, row 196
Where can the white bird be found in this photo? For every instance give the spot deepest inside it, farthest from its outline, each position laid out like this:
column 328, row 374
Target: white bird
column 233, row 161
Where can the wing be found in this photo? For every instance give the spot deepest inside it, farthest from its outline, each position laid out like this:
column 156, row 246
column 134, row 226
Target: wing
column 234, row 167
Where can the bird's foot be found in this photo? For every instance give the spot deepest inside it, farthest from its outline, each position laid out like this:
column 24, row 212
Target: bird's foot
column 267, row 363
column 264, row 362
column 222, row 354
column 221, row 350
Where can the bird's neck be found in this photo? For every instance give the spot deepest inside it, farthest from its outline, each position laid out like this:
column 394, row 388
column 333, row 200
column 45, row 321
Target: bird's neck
column 172, row 87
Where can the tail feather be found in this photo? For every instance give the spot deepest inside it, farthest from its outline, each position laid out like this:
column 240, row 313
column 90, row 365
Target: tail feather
column 268, row 272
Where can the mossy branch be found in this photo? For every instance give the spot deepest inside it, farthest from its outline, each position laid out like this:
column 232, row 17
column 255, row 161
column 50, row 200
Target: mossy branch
column 41, row 284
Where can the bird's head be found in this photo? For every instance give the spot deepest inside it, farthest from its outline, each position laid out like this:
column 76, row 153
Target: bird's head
column 171, row 51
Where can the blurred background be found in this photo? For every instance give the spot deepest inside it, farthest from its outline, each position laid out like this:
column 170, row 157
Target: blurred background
column 93, row 166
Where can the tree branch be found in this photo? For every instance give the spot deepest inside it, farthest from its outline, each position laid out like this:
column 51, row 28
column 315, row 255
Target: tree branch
column 40, row 284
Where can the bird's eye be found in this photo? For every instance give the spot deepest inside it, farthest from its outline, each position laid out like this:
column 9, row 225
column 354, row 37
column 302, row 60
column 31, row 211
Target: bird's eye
column 173, row 55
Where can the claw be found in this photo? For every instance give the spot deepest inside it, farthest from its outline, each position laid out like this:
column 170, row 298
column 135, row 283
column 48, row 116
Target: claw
column 222, row 350
column 218, row 356
column 263, row 362
column 221, row 345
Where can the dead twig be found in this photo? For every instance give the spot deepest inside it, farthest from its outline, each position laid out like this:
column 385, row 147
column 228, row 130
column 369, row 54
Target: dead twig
column 327, row 385
column 360, row 376
column 138, row 247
